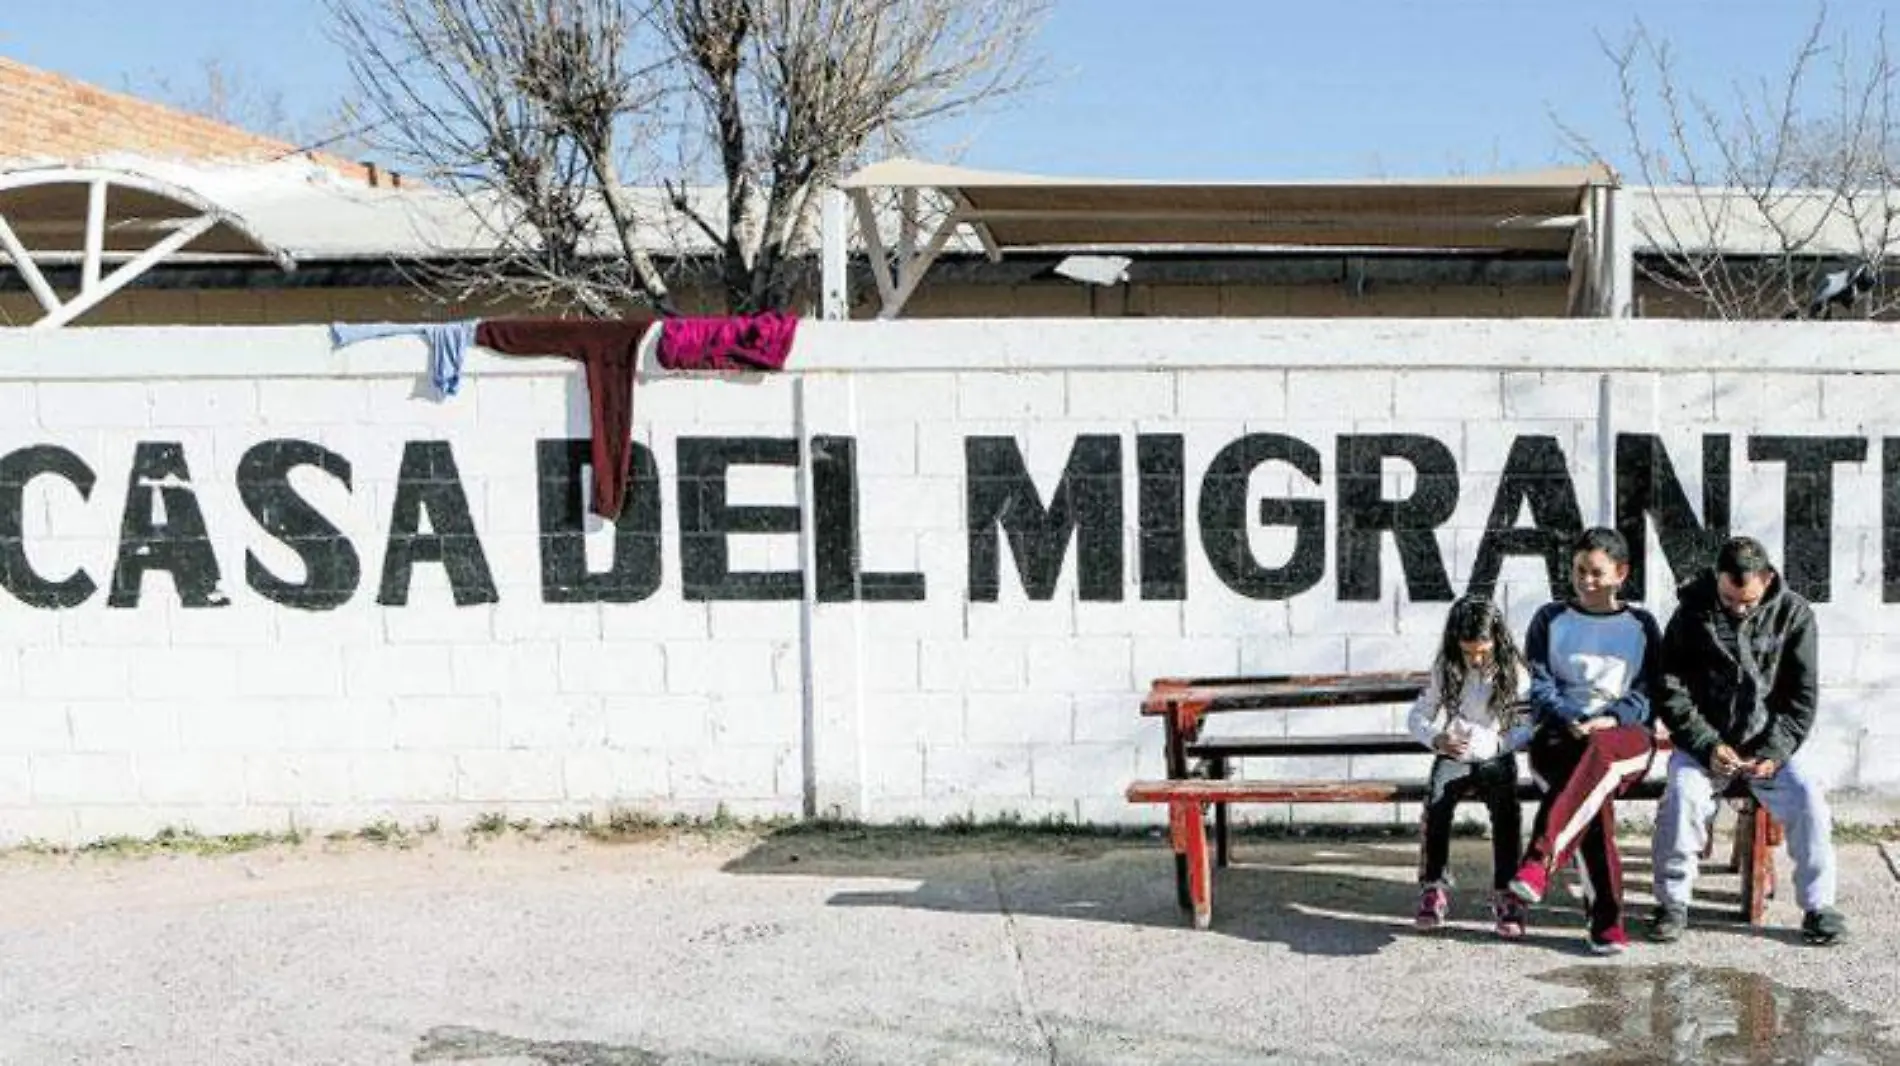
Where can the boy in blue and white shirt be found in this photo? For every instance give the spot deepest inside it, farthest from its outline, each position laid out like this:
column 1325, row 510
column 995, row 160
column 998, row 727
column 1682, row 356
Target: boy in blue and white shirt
column 1591, row 660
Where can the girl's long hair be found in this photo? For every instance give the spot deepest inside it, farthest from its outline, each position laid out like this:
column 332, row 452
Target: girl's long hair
column 1477, row 618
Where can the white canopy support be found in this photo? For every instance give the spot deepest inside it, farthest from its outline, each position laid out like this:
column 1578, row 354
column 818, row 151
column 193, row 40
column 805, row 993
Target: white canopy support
column 59, row 215
column 1546, row 211
column 1602, row 259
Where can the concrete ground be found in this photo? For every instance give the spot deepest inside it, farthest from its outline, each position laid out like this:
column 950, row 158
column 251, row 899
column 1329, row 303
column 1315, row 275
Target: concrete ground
column 889, row 948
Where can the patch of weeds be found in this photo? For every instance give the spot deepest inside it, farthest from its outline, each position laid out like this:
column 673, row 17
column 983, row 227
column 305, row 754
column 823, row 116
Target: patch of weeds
column 116, row 845
column 494, row 823
column 380, row 832
column 170, row 840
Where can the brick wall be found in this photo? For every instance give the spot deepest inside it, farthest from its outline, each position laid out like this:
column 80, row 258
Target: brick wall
column 202, row 627
column 51, row 116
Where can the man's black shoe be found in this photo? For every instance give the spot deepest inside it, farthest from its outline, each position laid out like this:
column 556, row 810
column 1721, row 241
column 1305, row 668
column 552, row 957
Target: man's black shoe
column 1666, row 924
column 1825, row 926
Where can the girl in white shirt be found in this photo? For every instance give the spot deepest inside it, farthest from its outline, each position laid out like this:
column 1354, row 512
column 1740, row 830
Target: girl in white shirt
column 1472, row 715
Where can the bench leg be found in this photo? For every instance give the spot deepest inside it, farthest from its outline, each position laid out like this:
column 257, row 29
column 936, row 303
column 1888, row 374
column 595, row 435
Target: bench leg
column 1218, row 768
column 1188, row 826
column 1755, row 841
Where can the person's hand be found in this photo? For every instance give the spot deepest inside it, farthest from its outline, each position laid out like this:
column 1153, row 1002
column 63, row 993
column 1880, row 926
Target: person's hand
column 1724, row 761
column 1455, row 747
column 1762, row 769
column 1591, row 725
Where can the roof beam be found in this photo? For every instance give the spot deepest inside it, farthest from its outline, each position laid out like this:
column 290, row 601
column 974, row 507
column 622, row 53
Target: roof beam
column 95, row 233
column 1358, row 220
column 874, row 245
column 90, row 296
column 29, row 270
column 983, row 234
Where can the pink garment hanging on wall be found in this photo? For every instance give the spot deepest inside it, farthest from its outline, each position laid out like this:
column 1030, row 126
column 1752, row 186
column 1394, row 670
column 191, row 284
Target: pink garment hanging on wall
column 727, row 342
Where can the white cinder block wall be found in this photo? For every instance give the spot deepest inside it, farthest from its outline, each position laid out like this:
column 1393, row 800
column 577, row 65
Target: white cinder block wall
column 169, row 659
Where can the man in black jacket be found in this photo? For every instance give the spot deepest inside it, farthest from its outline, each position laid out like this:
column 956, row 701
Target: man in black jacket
column 1737, row 691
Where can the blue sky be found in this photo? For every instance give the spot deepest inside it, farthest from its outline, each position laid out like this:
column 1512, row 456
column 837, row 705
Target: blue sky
column 1210, row 89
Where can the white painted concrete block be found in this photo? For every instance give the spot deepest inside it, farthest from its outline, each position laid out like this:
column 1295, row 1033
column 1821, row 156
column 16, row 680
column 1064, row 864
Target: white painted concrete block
column 16, row 782
column 1473, row 395
column 509, row 776
column 950, row 665
column 305, row 402
column 893, row 771
column 1232, row 394
column 438, row 723
column 1121, row 394
column 929, row 718
column 511, row 670
column 737, row 667
column 977, row 770
column 188, row 778
column 733, row 772
column 1022, row 394
column 405, row 777
column 553, row 723
column 1080, row 664
column 615, row 776
column 1339, row 394
column 202, row 403
column 1081, row 770
column 314, row 672
column 996, row 718
column 78, row 673
column 771, row 718
column 121, row 726
column 610, row 668
column 83, row 778
column 92, row 404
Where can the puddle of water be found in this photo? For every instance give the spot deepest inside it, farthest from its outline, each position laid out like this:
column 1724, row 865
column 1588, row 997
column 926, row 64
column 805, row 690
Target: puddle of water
column 1706, row 1016
column 454, row 1043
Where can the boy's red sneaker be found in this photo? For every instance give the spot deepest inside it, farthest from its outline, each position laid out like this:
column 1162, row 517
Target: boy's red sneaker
column 1611, row 941
column 1433, row 904
column 1532, row 879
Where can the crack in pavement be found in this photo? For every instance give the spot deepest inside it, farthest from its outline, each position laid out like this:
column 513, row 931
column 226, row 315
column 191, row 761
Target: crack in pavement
column 1013, row 950
column 1893, row 863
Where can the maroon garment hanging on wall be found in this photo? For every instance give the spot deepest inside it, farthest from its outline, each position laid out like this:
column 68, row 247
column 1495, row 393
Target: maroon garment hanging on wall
column 609, row 351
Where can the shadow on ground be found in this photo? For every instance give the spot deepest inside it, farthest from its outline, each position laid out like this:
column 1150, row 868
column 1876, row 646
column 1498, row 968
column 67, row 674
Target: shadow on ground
column 1345, row 895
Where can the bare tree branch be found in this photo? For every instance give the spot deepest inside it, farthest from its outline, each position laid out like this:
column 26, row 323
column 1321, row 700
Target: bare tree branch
column 1755, row 198
column 543, row 116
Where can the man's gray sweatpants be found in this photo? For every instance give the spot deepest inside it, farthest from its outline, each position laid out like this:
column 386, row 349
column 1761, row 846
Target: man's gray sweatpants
column 1795, row 799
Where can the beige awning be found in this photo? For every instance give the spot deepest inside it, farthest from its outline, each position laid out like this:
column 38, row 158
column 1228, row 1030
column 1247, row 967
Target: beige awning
column 1556, row 211
column 1535, row 211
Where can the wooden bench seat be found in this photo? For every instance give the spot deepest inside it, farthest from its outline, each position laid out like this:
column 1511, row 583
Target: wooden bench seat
column 1212, row 790
column 1289, row 747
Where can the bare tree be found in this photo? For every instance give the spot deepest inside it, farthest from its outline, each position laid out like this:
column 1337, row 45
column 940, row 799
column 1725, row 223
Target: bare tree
column 578, row 130
column 1777, row 200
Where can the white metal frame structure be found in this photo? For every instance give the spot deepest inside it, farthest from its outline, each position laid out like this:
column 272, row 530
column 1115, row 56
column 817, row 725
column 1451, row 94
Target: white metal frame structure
column 62, row 215
column 926, row 206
